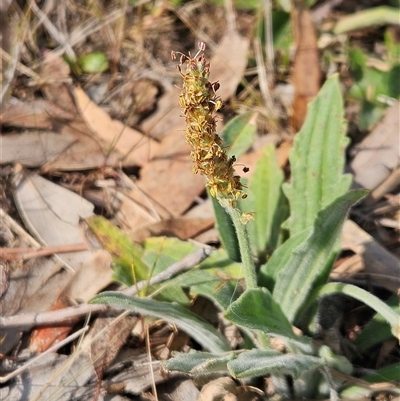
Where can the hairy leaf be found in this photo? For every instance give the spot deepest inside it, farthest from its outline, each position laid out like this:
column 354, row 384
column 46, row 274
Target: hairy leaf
column 266, row 200
column 317, row 159
column 199, row 363
column 262, row 362
column 226, row 231
column 308, row 261
column 257, row 310
column 193, row 325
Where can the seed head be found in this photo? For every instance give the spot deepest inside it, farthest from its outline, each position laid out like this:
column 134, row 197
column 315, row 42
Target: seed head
column 199, row 102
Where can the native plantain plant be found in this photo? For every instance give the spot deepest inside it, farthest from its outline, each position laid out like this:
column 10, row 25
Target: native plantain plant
column 300, row 247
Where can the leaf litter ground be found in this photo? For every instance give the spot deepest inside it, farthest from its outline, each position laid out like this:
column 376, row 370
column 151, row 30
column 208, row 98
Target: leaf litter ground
column 114, row 140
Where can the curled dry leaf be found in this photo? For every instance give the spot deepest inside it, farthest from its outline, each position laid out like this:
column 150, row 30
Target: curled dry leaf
column 30, row 292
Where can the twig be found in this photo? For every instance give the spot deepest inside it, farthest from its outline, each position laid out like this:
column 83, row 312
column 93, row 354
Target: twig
column 151, row 370
column 17, row 229
column 20, row 67
column 389, row 184
column 26, row 321
column 230, row 15
column 79, row 34
column 55, row 347
column 262, row 74
column 269, row 40
column 29, row 253
column 184, row 264
column 9, row 72
column 52, row 30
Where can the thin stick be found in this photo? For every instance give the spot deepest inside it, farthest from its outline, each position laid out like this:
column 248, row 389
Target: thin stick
column 151, row 370
column 8, row 73
column 269, row 40
column 20, row 67
column 28, row 253
column 17, row 229
column 53, row 31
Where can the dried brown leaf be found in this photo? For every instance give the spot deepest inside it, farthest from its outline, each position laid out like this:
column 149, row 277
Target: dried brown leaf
column 378, row 154
column 382, row 266
column 52, row 213
column 38, row 114
column 167, row 181
column 306, row 71
column 106, row 346
column 92, row 277
column 135, row 148
column 56, row 73
column 33, row 149
column 182, row 228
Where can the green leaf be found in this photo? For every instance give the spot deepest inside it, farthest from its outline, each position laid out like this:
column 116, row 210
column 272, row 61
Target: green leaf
column 126, row 254
column 262, row 362
column 160, row 253
column 280, row 258
column 307, row 264
column 285, row 5
column 389, row 314
column 387, row 374
column 205, row 334
column 338, row 362
column 392, row 45
column 216, row 279
column 198, row 363
column 238, row 134
column 375, row 83
column 357, row 63
column 93, row 62
column 266, row 200
column 256, row 309
column 317, row 159
column 241, row 4
column 377, row 330
column 364, row 19
column 370, row 114
column 226, row 231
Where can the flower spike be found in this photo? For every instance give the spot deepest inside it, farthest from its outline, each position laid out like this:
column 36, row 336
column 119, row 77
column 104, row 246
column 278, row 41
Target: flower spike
column 199, row 102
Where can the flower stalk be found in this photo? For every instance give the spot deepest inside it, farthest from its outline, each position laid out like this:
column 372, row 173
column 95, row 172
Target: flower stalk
column 199, row 103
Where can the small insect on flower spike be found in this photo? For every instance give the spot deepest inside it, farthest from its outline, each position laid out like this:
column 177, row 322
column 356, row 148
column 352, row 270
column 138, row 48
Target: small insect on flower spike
column 199, row 103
